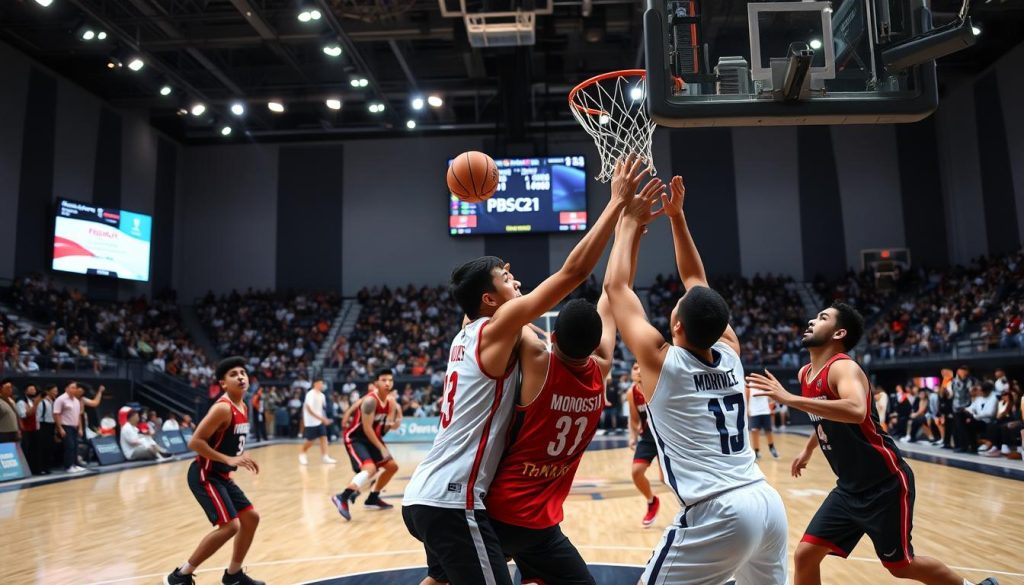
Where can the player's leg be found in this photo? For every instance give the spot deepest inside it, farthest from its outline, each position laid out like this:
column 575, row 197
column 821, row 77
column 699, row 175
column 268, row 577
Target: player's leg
column 388, row 469
column 768, row 563
column 771, row 439
column 755, row 440
column 435, row 573
column 646, row 452
column 550, row 558
column 248, row 521
column 834, row 530
column 217, row 503
column 362, row 459
column 308, row 435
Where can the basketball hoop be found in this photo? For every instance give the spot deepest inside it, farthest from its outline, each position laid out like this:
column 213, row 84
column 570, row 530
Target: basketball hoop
column 612, row 108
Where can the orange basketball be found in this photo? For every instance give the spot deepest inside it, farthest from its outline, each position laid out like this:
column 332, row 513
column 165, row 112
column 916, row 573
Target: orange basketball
column 473, row 177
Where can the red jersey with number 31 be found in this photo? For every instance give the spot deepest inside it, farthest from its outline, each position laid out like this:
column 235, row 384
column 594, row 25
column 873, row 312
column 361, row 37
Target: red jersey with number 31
column 547, row 440
column 229, row 441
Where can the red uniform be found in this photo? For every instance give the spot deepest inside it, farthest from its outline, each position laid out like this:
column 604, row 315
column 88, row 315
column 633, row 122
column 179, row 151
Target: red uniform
column 550, row 436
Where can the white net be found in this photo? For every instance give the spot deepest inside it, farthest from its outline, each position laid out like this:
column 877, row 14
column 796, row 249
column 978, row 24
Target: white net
column 612, row 108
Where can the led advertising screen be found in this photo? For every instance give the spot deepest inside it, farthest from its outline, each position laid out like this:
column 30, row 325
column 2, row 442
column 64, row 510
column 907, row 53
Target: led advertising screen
column 535, row 195
column 99, row 240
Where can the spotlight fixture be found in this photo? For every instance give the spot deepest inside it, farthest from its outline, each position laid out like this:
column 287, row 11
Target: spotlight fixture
column 237, row 108
column 359, row 82
column 417, row 103
column 815, row 44
column 332, row 49
column 435, row 101
column 44, row 3
column 114, row 63
column 198, row 109
column 975, row 30
column 410, row 124
column 333, row 103
column 225, row 131
column 166, row 90
column 101, row 36
column 275, row 106
column 603, row 119
column 309, row 13
column 136, row 64
column 376, row 107
column 87, row 34
column 636, row 93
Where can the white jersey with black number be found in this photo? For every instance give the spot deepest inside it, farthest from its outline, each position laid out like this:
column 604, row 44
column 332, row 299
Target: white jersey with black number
column 698, row 417
column 475, row 412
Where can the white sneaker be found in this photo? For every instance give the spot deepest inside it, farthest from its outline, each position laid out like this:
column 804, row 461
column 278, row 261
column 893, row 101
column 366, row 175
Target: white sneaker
column 328, row 459
column 303, row 460
column 76, row 469
column 985, row 449
column 1005, row 450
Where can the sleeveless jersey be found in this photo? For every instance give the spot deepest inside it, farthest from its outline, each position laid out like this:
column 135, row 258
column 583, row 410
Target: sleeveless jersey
column 641, row 407
column 861, row 455
column 229, row 441
column 474, row 418
column 380, row 418
column 698, row 417
column 548, row 439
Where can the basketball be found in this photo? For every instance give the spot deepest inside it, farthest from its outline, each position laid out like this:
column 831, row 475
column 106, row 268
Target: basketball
column 473, row 177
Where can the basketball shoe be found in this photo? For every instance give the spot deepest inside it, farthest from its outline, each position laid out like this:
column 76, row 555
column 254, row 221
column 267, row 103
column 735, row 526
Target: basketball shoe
column 340, row 502
column 176, row 578
column 374, row 502
column 652, row 511
column 239, row 578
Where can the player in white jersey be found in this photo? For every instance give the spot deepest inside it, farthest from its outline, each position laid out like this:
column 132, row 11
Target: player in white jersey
column 759, row 409
column 733, row 524
column 443, row 505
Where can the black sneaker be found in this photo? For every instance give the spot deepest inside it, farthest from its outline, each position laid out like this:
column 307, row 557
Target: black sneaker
column 374, row 502
column 176, row 578
column 341, row 504
column 239, row 578
column 775, row 453
column 989, row 581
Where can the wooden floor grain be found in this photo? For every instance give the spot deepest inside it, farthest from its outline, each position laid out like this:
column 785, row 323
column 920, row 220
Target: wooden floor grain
column 134, row 526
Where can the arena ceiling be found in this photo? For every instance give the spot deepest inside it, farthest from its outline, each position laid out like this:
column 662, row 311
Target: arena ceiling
column 223, row 52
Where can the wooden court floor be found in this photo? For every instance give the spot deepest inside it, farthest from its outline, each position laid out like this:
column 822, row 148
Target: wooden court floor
column 132, row 527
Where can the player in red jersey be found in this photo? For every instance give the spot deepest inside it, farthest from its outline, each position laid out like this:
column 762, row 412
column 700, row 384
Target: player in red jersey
column 641, row 440
column 219, row 443
column 557, row 413
column 366, row 450
column 874, row 494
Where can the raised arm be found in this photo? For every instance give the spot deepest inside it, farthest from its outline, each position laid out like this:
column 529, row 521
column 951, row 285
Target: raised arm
column 688, row 262
column 605, row 353
column 94, row 401
column 642, row 338
column 513, row 315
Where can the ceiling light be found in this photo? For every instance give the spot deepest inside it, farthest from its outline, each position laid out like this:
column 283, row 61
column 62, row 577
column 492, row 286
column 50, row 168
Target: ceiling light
column 275, row 106
column 166, row 90
column 417, row 103
column 334, row 104
column 975, row 30
column 603, row 119
column 304, row 16
column 136, row 64
column 359, row 82
column 435, row 101
column 314, row 14
column 237, row 108
column 225, row 131
column 376, row 107
column 198, row 109
column 44, row 3
column 636, row 93
column 815, row 44
column 410, row 124
column 88, row 34
column 101, row 36
column 332, row 50
column 309, row 14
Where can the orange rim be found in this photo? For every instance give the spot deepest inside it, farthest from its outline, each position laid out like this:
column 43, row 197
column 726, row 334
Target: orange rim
column 641, row 73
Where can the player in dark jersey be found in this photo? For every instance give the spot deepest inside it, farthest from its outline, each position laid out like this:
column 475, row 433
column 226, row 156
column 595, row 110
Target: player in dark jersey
column 874, row 494
column 219, row 443
column 642, row 441
column 364, row 444
column 558, row 410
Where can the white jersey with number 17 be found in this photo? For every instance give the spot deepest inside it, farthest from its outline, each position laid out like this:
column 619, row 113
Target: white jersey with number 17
column 475, row 412
column 698, row 418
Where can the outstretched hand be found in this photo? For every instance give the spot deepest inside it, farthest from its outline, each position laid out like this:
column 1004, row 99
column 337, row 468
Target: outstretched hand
column 629, row 171
column 768, row 385
column 639, row 208
column 673, row 205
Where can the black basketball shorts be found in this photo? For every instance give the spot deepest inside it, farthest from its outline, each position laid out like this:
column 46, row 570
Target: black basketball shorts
column 362, row 452
column 461, row 545
column 220, row 498
column 543, row 555
column 646, row 450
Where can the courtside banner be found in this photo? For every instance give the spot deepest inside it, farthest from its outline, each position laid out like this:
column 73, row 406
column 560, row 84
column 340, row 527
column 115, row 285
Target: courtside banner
column 108, row 451
column 414, row 430
column 12, row 464
column 171, row 441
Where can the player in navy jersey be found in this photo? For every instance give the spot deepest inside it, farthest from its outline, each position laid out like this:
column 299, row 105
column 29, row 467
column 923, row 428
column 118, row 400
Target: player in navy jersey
column 874, row 494
column 219, row 443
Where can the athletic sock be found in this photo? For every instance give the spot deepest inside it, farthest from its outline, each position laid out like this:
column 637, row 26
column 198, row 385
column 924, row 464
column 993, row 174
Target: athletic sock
column 770, row 446
column 373, row 495
column 651, row 501
column 345, row 495
column 186, row 569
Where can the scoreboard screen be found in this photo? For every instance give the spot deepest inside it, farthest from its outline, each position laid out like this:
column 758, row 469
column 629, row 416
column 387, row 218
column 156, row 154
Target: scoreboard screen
column 535, row 195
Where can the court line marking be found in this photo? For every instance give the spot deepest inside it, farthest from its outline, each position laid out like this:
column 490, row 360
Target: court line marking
column 419, row 550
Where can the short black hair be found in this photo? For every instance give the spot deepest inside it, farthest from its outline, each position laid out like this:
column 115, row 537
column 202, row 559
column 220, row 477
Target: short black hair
column 848, row 318
column 227, row 364
column 471, row 280
column 578, row 329
column 6, row 381
column 384, row 372
column 704, row 315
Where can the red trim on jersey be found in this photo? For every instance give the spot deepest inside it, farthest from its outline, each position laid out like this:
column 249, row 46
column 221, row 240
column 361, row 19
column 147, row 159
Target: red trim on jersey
column 245, row 509
column 810, row 538
column 500, row 387
column 645, row 461
column 480, row 363
column 825, row 371
column 352, row 452
column 218, row 503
